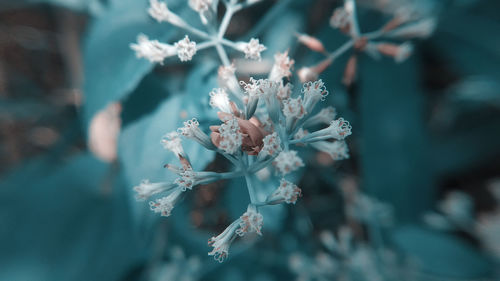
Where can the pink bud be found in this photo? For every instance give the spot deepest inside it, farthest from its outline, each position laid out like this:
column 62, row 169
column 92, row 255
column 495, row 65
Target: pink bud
column 311, row 42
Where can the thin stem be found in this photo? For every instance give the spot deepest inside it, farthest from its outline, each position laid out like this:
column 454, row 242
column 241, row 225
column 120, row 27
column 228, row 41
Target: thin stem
column 251, row 189
column 231, row 175
column 342, row 49
column 354, row 19
column 229, row 157
column 205, row 45
column 225, row 21
column 228, row 43
column 222, row 54
column 374, row 34
column 196, row 31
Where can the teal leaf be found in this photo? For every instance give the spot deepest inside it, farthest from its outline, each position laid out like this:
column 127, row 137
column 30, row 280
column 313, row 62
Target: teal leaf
column 440, row 254
column 59, row 221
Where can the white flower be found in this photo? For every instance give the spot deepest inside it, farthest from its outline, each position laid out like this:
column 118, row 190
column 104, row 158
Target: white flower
column 189, row 128
column 231, row 137
column 227, row 79
column 147, row 189
column 192, row 130
column 158, row 10
column 222, row 242
column 301, row 133
column 185, row 49
column 286, row 192
column 165, row 205
column 252, row 49
column 200, row 6
column 313, row 92
column 339, row 129
column 226, row 72
column 281, row 67
column 404, row 51
column 458, row 207
column 325, row 116
column 186, row 180
column 340, row 18
column 287, row 161
column 219, row 99
column 172, row 142
column 152, row 50
column 272, row 145
column 250, row 221
column 338, row 150
column 293, row 108
column 260, row 87
column 420, row 29
column 284, row 91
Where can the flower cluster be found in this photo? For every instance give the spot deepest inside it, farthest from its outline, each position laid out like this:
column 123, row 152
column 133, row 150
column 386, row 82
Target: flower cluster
column 258, row 127
column 185, row 49
column 405, row 24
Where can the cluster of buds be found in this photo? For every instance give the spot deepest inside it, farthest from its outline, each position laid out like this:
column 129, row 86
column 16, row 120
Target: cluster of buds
column 213, row 36
column 404, row 25
column 260, row 121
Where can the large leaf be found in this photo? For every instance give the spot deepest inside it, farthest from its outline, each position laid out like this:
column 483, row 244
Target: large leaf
column 111, row 69
column 57, row 224
column 440, row 254
column 143, row 156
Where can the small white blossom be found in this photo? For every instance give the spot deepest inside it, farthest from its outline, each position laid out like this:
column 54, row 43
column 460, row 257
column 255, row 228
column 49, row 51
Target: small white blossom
column 226, row 72
column 301, row 133
column 165, row 205
column 284, row 91
column 313, row 92
column 338, row 150
column 294, row 108
column 404, row 51
column 219, row 99
column 186, row 180
column 147, row 189
column 340, row 18
column 189, row 128
column 186, row 49
column 282, row 66
column 287, row 161
column 192, row 130
column 260, row 87
column 272, row 145
column 286, row 192
column 222, row 242
column 252, row 49
column 459, row 207
column 172, row 142
column 250, row 221
column 152, row 50
column 339, row 129
column 200, row 6
column 158, row 10
column 231, row 137
column 325, row 116
column 420, row 29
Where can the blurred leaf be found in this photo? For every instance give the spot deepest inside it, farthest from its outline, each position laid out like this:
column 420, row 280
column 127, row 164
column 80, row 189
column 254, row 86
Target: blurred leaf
column 76, row 5
column 143, row 156
column 441, row 254
column 56, row 224
column 112, row 70
column 395, row 147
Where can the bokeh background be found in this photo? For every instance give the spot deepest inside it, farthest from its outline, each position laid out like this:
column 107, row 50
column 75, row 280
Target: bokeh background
column 81, row 118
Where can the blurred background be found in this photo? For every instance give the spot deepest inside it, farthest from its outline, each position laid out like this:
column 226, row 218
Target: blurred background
column 81, row 119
